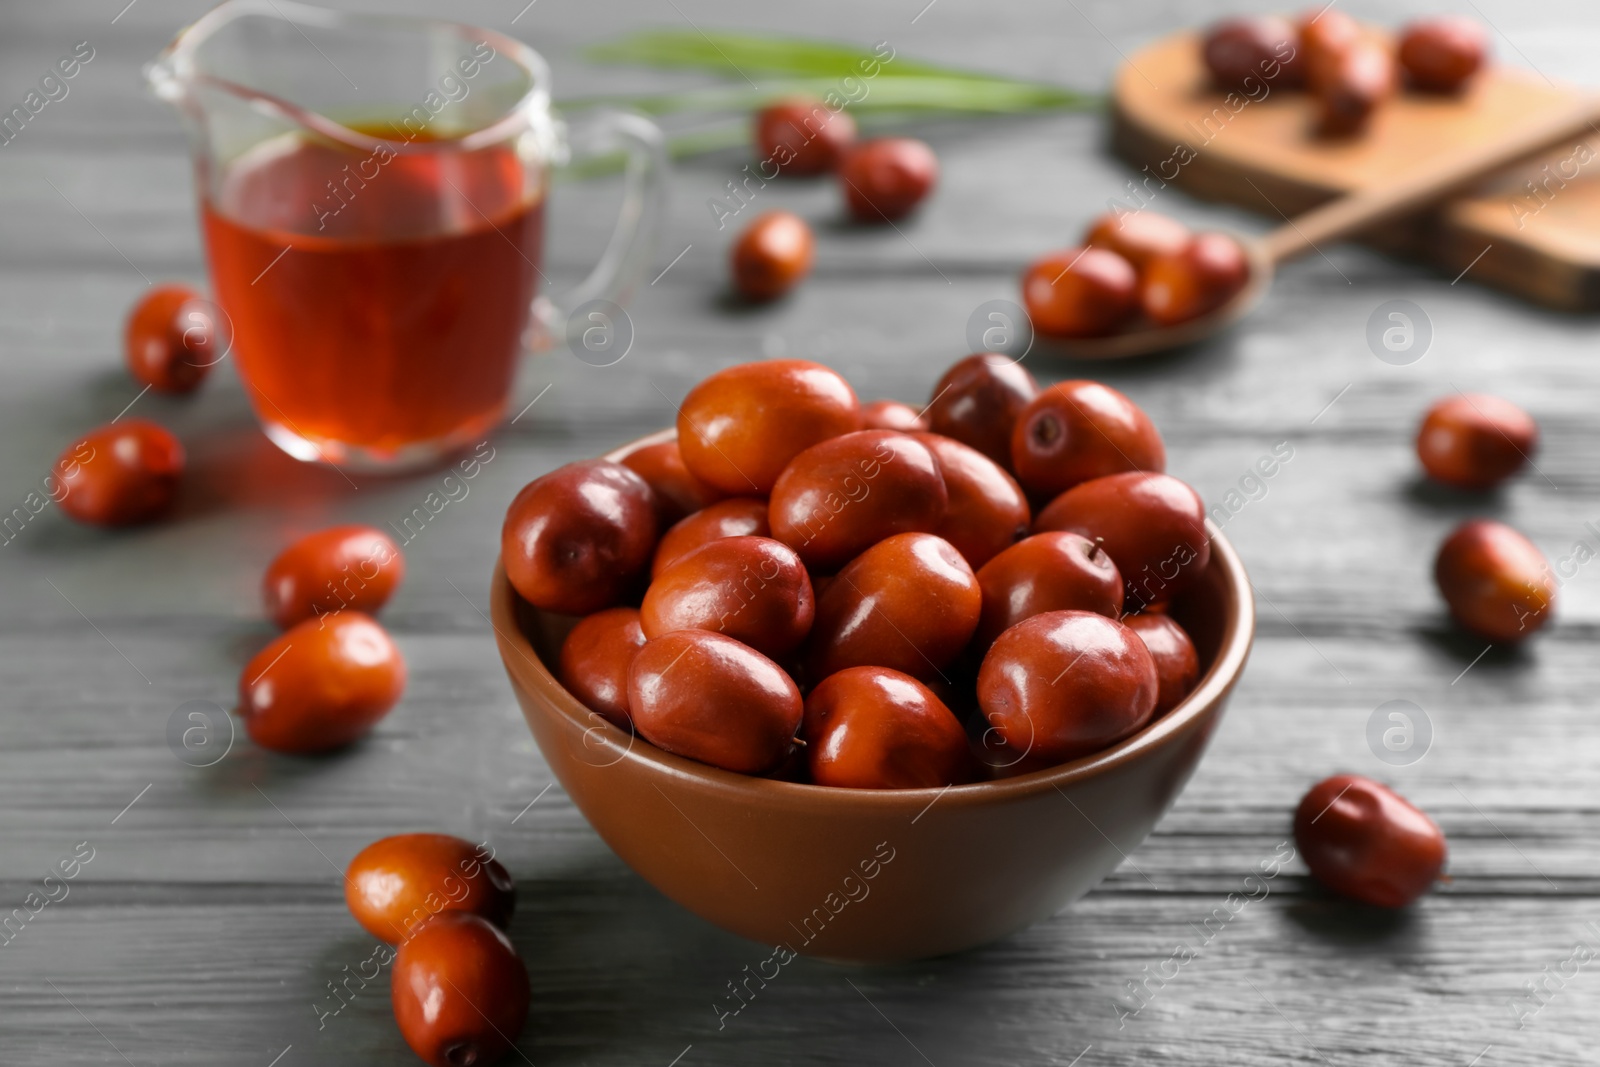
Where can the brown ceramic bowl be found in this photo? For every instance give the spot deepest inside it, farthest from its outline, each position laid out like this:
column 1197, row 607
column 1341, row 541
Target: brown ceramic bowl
column 875, row 875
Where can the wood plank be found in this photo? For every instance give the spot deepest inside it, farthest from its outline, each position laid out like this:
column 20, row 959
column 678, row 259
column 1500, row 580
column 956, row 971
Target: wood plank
column 1437, row 986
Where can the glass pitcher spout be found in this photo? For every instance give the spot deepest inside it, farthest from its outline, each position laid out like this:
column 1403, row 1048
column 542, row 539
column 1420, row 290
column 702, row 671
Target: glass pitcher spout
column 340, row 74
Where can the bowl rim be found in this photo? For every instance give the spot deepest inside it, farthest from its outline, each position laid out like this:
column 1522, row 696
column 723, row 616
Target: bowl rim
column 529, row 673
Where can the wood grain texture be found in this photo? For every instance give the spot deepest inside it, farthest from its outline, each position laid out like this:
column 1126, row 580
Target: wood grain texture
column 208, row 924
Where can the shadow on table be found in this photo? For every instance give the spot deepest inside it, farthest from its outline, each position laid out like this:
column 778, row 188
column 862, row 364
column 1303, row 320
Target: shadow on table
column 248, row 772
column 1457, row 503
column 614, row 965
column 235, row 467
column 622, row 974
column 1207, row 358
column 1470, row 650
column 1360, row 928
column 227, row 468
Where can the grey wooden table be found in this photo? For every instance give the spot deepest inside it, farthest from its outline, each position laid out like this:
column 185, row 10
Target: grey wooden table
column 209, row 923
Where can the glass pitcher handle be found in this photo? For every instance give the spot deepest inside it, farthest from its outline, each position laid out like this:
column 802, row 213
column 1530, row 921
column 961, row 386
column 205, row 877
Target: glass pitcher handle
column 631, row 250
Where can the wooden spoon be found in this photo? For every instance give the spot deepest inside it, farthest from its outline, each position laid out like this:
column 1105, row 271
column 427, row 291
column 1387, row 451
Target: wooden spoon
column 1336, row 219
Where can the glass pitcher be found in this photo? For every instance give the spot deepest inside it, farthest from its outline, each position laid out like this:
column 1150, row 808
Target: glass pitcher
column 372, row 193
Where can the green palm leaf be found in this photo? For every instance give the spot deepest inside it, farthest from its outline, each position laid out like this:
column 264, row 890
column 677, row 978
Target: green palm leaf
column 736, row 54
column 870, row 82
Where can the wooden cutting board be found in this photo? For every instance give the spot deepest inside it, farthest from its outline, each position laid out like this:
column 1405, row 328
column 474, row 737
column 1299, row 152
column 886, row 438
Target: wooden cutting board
column 1540, row 241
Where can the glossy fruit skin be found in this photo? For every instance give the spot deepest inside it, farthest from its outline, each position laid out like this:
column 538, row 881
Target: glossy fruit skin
column 710, row 698
column 752, row 589
column 741, row 426
column 873, row 728
column 892, row 415
column 909, row 603
column 1441, row 54
column 838, row 498
column 1207, row 273
column 170, row 341
column 130, row 476
column 1495, row 581
column 343, row 567
column 1326, row 34
column 1052, row 571
column 883, row 180
column 397, row 883
column 1355, row 84
column 1138, row 236
column 575, row 540
column 1153, row 525
column 803, row 136
column 1067, row 683
column 1177, row 662
column 1077, row 430
column 1474, row 441
column 678, row 493
column 987, row 510
column 459, row 991
column 595, row 659
column 977, row 402
column 321, row 684
column 740, row 516
column 1364, row 841
column 771, row 256
column 1246, row 53
column 1081, row 292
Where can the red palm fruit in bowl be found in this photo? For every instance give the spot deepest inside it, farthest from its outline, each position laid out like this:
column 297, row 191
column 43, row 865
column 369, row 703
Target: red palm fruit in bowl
column 870, row 875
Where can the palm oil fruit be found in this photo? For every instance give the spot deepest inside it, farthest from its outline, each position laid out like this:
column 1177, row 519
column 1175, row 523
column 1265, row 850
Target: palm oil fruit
column 1363, row 840
column 753, row 589
column 1495, row 581
column 1078, row 430
column 884, row 180
column 739, row 428
column 355, row 567
column 1067, row 683
column 874, row 728
column 1080, row 292
column 321, row 684
column 699, row 694
column 977, row 402
column 595, row 658
column 771, row 256
column 397, row 883
column 459, row 991
column 802, row 136
column 910, row 603
column 121, row 474
column 575, row 540
column 842, row 496
column 1473, row 441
